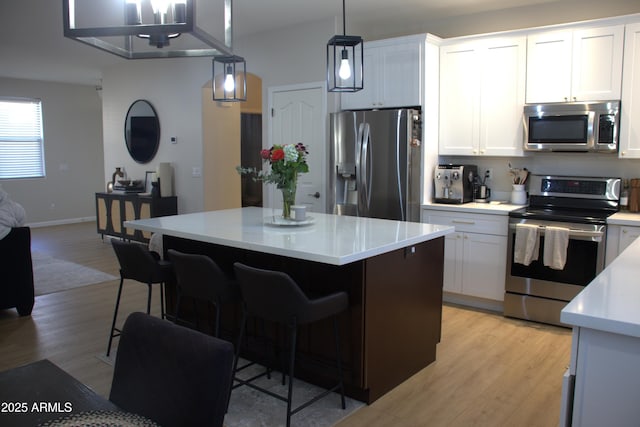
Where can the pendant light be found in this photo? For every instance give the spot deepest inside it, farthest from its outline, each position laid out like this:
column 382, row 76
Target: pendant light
column 117, row 27
column 229, row 81
column 344, row 61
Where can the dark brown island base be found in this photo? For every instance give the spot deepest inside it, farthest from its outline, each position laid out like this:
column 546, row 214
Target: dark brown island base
column 393, row 323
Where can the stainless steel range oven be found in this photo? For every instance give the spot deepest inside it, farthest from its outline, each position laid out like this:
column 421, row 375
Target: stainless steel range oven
column 573, row 210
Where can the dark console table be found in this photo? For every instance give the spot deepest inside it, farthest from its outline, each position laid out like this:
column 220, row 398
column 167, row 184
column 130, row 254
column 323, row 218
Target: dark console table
column 113, row 209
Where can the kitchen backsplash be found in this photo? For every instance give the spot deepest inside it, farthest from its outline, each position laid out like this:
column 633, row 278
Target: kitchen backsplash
column 578, row 164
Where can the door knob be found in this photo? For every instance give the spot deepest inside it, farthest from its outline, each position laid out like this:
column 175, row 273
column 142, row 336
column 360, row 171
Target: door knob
column 316, row 195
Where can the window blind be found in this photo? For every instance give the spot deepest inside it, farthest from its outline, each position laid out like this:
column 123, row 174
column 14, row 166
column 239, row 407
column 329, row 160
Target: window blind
column 21, row 141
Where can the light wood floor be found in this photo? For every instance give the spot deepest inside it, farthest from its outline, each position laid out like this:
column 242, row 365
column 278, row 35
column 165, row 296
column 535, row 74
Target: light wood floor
column 490, row 371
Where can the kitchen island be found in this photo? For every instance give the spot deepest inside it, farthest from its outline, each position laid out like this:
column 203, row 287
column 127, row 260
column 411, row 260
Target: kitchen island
column 603, row 380
column 391, row 270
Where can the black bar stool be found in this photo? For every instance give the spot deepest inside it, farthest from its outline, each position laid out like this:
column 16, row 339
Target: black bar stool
column 274, row 296
column 200, row 278
column 139, row 264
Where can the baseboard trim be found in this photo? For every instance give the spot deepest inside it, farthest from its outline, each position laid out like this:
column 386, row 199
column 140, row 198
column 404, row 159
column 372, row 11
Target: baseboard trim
column 475, row 302
column 61, row 222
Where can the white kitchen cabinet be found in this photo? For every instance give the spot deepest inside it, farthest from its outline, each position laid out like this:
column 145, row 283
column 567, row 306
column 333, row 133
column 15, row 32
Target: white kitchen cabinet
column 475, row 254
column 619, row 237
column 482, row 88
column 393, row 70
column 575, row 65
column 630, row 112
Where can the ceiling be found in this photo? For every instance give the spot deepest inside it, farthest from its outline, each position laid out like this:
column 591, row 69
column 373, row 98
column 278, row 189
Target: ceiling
column 33, row 46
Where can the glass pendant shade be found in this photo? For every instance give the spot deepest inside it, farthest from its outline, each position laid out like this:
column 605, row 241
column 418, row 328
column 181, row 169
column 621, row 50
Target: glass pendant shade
column 344, row 64
column 229, row 80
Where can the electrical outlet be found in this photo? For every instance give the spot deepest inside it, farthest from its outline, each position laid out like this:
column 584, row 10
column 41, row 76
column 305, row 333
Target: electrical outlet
column 489, row 173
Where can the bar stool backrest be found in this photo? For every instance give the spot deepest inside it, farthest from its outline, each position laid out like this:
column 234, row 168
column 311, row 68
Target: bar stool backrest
column 198, row 276
column 137, row 262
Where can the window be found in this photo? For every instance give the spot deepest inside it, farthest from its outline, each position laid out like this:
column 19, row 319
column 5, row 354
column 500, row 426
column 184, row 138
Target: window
column 21, row 143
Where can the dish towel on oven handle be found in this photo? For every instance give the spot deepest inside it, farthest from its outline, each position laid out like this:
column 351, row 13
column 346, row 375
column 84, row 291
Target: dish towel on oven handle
column 526, row 246
column 556, row 240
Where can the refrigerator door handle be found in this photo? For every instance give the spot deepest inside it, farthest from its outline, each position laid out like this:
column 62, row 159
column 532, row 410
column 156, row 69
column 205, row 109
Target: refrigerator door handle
column 367, row 171
column 398, row 169
column 359, row 178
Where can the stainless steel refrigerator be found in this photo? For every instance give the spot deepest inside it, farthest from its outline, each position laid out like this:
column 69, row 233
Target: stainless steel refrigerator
column 376, row 160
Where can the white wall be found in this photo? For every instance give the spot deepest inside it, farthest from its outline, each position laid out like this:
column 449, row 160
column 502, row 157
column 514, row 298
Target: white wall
column 173, row 86
column 72, row 122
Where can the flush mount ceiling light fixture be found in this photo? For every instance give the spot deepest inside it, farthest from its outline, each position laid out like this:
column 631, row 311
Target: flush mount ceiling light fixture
column 229, row 79
column 138, row 29
column 344, row 61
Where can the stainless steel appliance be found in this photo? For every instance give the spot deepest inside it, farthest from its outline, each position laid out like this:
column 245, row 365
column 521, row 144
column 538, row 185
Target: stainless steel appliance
column 572, row 126
column 580, row 205
column 455, row 183
column 375, row 159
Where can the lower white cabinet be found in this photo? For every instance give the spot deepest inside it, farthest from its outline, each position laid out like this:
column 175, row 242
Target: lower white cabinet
column 475, row 255
column 606, row 380
column 618, row 238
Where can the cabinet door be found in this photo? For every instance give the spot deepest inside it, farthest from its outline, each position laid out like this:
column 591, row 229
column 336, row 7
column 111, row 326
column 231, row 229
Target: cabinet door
column 452, row 275
column 630, row 113
column 549, row 67
column 459, row 99
column 400, row 83
column 101, row 213
column 502, row 96
column 627, row 236
column 485, row 263
column 597, row 64
column 368, row 97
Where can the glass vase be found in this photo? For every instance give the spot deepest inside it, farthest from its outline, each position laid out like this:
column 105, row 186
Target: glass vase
column 288, row 198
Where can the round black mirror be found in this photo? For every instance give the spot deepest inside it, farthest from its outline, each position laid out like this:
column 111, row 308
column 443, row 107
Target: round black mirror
column 142, row 131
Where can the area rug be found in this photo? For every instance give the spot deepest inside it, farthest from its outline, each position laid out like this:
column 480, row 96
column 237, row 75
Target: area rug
column 251, row 408
column 55, row 275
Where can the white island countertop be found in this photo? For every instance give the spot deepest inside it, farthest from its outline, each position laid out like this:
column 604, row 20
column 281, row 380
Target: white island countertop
column 611, row 302
column 329, row 239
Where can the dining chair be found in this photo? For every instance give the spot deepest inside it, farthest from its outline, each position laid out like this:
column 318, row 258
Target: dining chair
column 171, row 374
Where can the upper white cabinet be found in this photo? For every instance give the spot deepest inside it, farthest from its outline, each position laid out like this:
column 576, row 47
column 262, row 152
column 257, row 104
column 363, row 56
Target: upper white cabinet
column 575, row 65
column 630, row 111
column 482, row 89
column 393, row 70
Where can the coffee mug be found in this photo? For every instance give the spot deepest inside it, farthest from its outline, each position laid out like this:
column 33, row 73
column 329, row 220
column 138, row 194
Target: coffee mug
column 299, row 212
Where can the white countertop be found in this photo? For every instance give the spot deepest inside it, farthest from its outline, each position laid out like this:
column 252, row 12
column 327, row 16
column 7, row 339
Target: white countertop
column 501, row 208
column 624, row 218
column 331, row 239
column 611, row 302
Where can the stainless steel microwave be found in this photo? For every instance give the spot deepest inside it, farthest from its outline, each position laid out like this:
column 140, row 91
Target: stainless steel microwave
column 572, row 126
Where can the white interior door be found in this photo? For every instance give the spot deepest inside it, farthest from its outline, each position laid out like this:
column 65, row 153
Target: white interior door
column 298, row 114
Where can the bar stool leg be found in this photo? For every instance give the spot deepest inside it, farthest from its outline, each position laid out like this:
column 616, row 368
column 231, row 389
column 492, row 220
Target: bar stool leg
column 149, row 299
column 115, row 315
column 336, row 334
column 292, row 360
column 176, row 312
column 163, row 315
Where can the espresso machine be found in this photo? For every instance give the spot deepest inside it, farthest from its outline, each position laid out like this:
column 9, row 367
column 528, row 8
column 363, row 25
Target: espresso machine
column 454, row 183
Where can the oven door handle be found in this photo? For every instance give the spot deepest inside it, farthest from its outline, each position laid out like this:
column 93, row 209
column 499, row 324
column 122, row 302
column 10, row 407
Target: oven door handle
column 574, row 233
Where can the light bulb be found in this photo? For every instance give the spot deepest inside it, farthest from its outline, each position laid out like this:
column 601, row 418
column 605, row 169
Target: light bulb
column 229, row 81
column 345, row 69
column 161, row 6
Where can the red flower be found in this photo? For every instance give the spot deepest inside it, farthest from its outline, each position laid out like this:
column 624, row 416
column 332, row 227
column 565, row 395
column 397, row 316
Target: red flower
column 265, row 154
column 277, row 154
